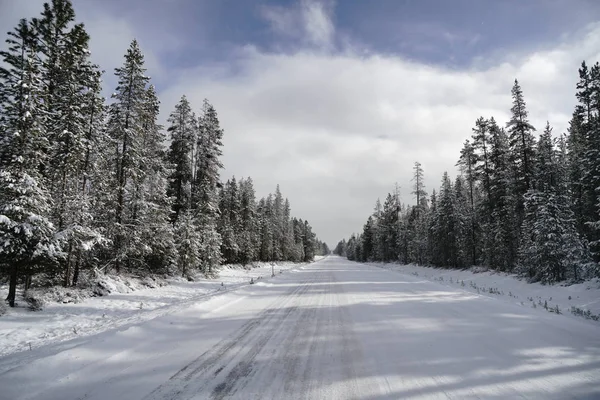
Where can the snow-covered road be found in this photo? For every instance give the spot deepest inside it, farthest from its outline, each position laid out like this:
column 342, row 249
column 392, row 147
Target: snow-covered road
column 331, row 330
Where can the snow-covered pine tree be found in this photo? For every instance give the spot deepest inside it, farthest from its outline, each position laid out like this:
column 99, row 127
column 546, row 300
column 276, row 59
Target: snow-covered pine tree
column 205, row 186
column 582, row 123
column 463, row 222
column 265, row 210
column 576, row 169
column 551, row 249
column 368, row 240
column 278, row 225
column 229, row 221
column 522, row 155
column 419, row 183
column 93, row 180
column 389, row 228
column 309, row 242
column 351, row 248
column 446, row 227
column 482, row 169
column 501, row 229
column 415, row 233
column 54, row 35
column 341, row 248
column 377, row 233
column 433, row 253
column 70, row 83
column 420, row 240
column 591, row 161
column 481, row 153
column 187, row 243
column 406, row 232
column 249, row 240
column 324, row 249
column 27, row 237
column 466, row 164
column 183, row 130
column 150, row 206
column 521, row 141
column 288, row 233
column 299, row 239
column 125, row 129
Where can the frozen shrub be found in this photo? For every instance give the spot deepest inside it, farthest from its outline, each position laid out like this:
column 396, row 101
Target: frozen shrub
column 34, row 300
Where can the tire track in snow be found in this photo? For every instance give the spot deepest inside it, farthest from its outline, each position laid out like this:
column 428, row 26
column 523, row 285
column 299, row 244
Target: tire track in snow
column 198, row 375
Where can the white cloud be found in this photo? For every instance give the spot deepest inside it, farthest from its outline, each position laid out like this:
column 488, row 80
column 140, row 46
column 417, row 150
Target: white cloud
column 336, row 131
column 317, row 22
column 309, row 21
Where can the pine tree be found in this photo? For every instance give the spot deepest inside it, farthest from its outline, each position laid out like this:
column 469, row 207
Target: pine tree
column 288, row 233
column 229, row 223
column 125, row 129
column 551, row 249
column 467, row 163
column 420, row 240
column 501, row 229
column 341, row 248
column 433, row 243
column 205, row 186
column 183, row 130
column 576, row 151
column 389, row 228
column 481, row 150
column 309, row 242
column 278, row 225
column 406, row 232
column 150, row 205
column 419, row 186
column 92, row 182
column 446, row 226
column 249, row 239
column 26, row 233
column 265, row 209
column 71, row 91
column 299, row 251
column 591, row 165
column 368, row 240
column 351, row 250
column 377, row 232
column 521, row 140
column 187, row 243
column 463, row 219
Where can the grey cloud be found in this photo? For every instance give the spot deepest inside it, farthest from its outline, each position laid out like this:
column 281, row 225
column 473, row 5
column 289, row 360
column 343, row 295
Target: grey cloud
column 308, row 21
column 337, row 131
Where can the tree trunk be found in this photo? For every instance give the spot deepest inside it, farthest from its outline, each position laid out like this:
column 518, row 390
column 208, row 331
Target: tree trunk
column 28, row 279
column 76, row 272
column 12, row 288
column 67, row 277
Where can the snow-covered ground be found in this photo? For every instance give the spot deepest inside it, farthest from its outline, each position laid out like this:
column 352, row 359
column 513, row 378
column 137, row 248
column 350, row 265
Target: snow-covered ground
column 581, row 300
column 333, row 329
column 131, row 301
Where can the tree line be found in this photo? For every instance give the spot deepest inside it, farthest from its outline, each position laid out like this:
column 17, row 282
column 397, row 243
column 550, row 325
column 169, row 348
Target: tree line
column 519, row 204
column 91, row 186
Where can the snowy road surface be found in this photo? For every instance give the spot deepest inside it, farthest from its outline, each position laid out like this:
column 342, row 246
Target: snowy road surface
column 332, row 330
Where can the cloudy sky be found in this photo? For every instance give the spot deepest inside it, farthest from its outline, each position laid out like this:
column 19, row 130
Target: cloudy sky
column 335, row 100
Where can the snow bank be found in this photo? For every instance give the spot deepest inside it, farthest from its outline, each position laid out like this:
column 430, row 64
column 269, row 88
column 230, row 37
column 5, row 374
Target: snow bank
column 581, row 300
column 117, row 301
